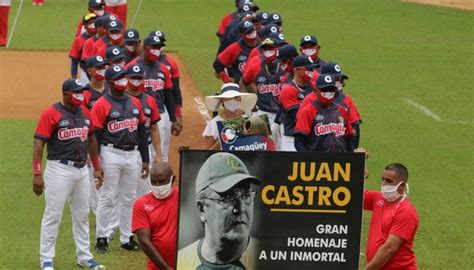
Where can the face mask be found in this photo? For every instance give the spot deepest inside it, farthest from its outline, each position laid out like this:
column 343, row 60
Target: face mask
column 77, row 99
column 99, row 12
column 311, row 53
column 252, row 37
column 390, row 193
column 163, row 191
column 339, row 86
column 151, row 54
column 121, row 84
column 99, row 74
column 130, row 48
column 326, row 98
column 232, row 105
column 308, row 75
column 91, row 29
column 270, row 55
column 115, row 36
column 135, row 84
column 328, row 95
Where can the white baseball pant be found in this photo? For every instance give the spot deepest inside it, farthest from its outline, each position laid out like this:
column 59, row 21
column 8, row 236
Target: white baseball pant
column 165, row 134
column 94, row 193
column 65, row 183
column 288, row 143
column 121, row 173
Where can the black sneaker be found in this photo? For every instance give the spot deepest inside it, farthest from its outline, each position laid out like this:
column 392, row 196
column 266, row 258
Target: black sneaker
column 132, row 245
column 101, row 245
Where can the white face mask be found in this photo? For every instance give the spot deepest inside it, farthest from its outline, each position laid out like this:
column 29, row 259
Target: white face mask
column 101, row 72
column 310, row 73
column 328, row 95
column 269, row 54
column 130, row 48
column 284, row 66
column 92, row 26
column 252, row 35
column 156, row 52
column 390, row 193
column 232, row 105
column 163, row 191
column 99, row 12
column 136, row 82
column 78, row 96
column 309, row 52
column 122, row 82
column 115, row 36
column 339, row 86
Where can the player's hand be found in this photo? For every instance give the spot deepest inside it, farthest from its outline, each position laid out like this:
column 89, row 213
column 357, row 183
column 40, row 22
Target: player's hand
column 38, row 184
column 98, row 178
column 145, row 170
column 179, row 120
column 176, row 128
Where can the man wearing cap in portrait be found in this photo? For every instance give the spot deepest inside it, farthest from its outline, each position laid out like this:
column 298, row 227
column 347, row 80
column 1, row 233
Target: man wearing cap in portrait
column 225, row 193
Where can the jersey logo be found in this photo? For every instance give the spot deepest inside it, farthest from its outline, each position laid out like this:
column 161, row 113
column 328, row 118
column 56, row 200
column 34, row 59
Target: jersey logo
column 269, row 88
column 154, row 84
column 115, row 114
column 64, row 123
column 242, row 58
column 135, row 111
column 228, row 135
column 338, row 129
column 148, row 207
column 379, row 202
column 242, row 66
column 147, row 111
column 66, row 134
column 261, row 79
column 130, row 124
column 319, row 117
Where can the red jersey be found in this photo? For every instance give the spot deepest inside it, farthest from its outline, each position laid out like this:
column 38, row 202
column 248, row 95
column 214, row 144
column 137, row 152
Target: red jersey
column 398, row 218
column 340, row 98
column 88, row 47
column 291, row 96
column 234, row 58
column 171, row 65
column 225, row 22
column 65, row 132
column 255, row 52
column 77, row 45
column 150, row 110
column 161, row 217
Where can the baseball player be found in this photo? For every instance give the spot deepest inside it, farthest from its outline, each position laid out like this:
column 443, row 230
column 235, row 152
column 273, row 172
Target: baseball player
column 76, row 49
column 4, row 10
column 66, row 128
column 37, row 2
column 114, row 37
column 233, row 32
column 132, row 44
column 230, row 63
column 120, row 131
column 261, row 19
column 97, row 7
column 115, row 56
column 100, row 26
column 135, row 88
column 256, row 55
column 309, row 46
column 231, row 19
column 159, row 85
column 286, row 55
column 291, row 95
column 323, row 125
column 119, row 7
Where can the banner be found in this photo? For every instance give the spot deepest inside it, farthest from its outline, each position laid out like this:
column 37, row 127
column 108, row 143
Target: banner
column 246, row 134
column 270, row 210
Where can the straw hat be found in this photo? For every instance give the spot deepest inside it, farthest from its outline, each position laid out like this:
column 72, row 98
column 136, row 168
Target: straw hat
column 231, row 90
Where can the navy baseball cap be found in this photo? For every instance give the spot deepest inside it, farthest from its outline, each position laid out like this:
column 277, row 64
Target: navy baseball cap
column 244, row 8
column 131, row 34
column 159, row 34
column 96, row 3
column 114, row 53
column 246, row 27
column 268, row 42
column 135, row 71
column 267, row 30
column 115, row 25
column 279, row 38
column 261, row 17
column 153, row 40
column 333, row 69
column 73, row 85
column 303, row 61
column 287, row 51
column 95, row 61
column 308, row 39
column 325, row 81
column 275, row 18
column 101, row 21
column 114, row 72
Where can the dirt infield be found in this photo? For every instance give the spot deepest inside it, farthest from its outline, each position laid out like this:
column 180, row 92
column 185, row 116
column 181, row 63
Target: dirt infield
column 461, row 4
column 31, row 80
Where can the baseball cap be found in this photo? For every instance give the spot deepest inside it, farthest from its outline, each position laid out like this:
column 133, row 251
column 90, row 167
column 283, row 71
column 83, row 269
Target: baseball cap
column 95, row 61
column 287, row 51
column 101, row 21
column 268, row 42
column 304, row 61
column 114, row 53
column 275, row 18
column 114, row 72
column 115, row 25
column 73, row 85
column 244, row 8
column 135, row 71
column 221, row 171
column 333, row 69
column 267, row 29
column 308, row 39
column 88, row 17
column 131, row 34
column 325, row 81
column 152, row 40
column 159, row 34
column 96, row 3
column 246, row 27
column 261, row 17
column 279, row 38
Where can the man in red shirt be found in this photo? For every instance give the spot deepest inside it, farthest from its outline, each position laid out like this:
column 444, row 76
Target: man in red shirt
column 155, row 219
column 393, row 224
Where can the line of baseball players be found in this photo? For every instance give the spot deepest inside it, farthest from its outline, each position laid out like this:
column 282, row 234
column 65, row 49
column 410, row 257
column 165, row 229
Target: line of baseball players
column 118, row 112
column 301, row 94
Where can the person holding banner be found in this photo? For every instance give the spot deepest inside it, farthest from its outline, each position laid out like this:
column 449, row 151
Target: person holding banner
column 225, row 193
column 234, row 104
column 393, row 224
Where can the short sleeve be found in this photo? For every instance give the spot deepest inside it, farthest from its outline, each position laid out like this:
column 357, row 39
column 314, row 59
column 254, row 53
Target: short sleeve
column 369, row 198
column 304, row 121
column 250, row 74
column 155, row 113
column 174, row 68
column 75, row 50
column 405, row 223
column 46, row 124
column 289, row 98
column 346, row 120
column 168, row 81
column 99, row 114
column 139, row 216
column 228, row 55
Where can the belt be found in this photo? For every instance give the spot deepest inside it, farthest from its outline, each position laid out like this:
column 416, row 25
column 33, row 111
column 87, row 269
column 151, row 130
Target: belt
column 122, row 147
column 75, row 164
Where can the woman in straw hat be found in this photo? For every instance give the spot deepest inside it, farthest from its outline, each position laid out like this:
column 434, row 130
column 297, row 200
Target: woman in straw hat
column 233, row 103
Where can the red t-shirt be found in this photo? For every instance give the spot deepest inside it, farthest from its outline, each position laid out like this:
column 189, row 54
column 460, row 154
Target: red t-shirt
column 161, row 217
column 400, row 219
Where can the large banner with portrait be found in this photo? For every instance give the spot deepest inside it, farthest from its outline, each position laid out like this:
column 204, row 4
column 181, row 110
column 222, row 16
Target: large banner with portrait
column 270, row 210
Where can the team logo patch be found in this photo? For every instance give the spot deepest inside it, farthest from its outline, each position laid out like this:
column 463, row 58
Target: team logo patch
column 130, row 34
column 115, row 51
column 158, row 33
column 338, row 129
column 261, row 79
column 117, row 68
column 136, row 68
column 300, row 96
column 130, row 124
column 328, row 79
column 147, row 111
column 99, row 58
column 337, row 68
column 115, row 114
column 265, row 15
column 228, row 135
column 66, row 134
column 148, row 207
column 276, row 17
column 135, row 111
column 168, row 67
column 161, row 75
column 64, row 123
column 319, row 117
column 307, row 38
column 273, row 29
column 242, row 66
column 379, row 202
column 87, row 121
column 242, row 58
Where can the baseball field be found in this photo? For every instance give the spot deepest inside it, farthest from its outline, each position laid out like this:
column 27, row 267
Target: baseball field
column 410, row 68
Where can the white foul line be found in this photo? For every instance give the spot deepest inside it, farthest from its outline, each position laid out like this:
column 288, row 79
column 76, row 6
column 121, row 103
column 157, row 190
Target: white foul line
column 424, row 110
column 202, row 108
column 14, row 23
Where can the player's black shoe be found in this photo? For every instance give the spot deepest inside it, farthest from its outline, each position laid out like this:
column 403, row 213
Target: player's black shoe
column 132, row 245
column 101, row 245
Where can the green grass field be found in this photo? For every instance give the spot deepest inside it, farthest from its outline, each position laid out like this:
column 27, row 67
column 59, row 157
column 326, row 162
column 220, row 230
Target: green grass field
column 391, row 51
